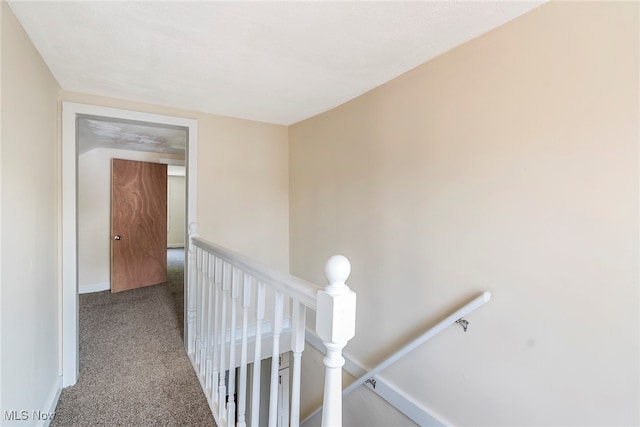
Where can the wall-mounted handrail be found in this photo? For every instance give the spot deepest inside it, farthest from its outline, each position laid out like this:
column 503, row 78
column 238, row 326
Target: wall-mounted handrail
column 478, row 301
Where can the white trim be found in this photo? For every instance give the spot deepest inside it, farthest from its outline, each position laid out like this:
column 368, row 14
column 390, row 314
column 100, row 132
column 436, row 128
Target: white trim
column 94, row 287
column 70, row 113
column 403, row 403
column 396, row 398
column 52, row 401
column 174, row 170
column 175, row 246
column 69, row 249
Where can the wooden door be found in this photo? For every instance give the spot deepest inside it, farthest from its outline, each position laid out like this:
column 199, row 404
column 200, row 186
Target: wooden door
column 138, row 224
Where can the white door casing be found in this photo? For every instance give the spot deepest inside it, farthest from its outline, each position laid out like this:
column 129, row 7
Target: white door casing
column 69, row 297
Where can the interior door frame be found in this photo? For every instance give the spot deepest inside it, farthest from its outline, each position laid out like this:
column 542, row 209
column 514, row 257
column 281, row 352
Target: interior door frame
column 71, row 111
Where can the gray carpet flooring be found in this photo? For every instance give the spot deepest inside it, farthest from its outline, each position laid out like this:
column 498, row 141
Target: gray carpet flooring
column 134, row 370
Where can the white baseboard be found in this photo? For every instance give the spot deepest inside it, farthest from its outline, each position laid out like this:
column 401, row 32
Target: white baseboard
column 94, row 287
column 51, row 403
column 395, row 397
column 175, row 245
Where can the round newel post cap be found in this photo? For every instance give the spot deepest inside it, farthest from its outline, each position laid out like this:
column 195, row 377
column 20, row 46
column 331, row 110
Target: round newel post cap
column 193, row 228
column 337, row 269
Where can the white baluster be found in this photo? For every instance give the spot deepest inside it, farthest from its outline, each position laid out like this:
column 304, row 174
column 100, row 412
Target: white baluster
column 205, row 313
column 210, row 316
column 222, row 392
column 202, row 268
column 255, row 387
column 335, row 325
column 242, row 393
column 217, row 280
column 231, row 403
column 199, row 310
column 297, row 347
column 196, row 294
column 275, row 359
column 191, row 294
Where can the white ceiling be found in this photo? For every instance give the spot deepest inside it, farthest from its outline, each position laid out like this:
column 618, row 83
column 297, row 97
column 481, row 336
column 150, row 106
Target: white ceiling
column 277, row 62
column 97, row 132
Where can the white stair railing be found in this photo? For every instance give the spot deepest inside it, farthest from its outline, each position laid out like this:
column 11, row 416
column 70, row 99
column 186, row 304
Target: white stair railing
column 272, row 307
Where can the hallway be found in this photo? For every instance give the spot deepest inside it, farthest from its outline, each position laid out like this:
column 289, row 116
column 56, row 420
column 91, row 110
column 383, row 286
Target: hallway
column 133, row 366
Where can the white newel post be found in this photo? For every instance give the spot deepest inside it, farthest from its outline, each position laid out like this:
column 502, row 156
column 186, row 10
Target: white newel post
column 335, row 325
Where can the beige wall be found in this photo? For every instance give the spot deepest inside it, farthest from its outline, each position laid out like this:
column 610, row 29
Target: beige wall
column 29, row 226
column 509, row 164
column 243, row 200
column 176, row 204
column 94, row 213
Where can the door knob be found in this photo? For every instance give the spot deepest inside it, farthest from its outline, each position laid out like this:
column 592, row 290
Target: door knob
column 117, row 237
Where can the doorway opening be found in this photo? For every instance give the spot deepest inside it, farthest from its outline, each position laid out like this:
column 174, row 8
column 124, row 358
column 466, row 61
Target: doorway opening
column 144, row 153
column 73, row 116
